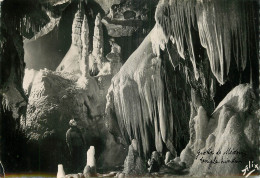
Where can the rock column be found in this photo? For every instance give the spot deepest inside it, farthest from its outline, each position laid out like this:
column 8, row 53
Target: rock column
column 84, row 63
column 98, row 45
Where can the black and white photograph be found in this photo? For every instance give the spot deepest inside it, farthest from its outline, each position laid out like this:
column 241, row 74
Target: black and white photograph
column 129, row 88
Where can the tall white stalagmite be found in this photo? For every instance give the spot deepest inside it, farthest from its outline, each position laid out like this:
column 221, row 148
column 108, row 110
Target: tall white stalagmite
column 84, row 63
column 71, row 62
column 60, row 173
column 76, row 28
column 98, row 44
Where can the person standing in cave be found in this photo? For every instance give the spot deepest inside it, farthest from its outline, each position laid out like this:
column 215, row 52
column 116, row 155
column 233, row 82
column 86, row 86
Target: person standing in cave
column 76, row 145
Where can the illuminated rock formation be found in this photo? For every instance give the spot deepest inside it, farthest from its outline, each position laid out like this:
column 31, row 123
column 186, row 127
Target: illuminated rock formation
column 225, row 137
column 70, row 62
column 97, row 55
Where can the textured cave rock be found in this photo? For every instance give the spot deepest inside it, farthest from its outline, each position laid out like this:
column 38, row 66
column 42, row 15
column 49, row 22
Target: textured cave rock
column 55, row 98
column 106, row 5
column 232, row 125
column 134, row 165
column 129, row 17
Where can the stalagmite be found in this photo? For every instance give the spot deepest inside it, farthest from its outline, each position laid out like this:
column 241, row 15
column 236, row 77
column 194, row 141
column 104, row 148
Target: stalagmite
column 84, row 63
column 90, row 169
column 60, row 173
column 71, row 62
column 98, row 45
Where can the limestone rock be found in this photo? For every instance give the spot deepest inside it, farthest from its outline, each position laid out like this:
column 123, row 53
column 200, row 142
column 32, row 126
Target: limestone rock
column 118, row 30
column 57, row 97
column 106, row 5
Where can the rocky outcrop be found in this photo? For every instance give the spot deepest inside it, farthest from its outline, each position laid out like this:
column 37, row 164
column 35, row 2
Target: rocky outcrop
column 118, row 30
column 223, row 143
column 128, row 17
column 54, row 99
column 106, row 5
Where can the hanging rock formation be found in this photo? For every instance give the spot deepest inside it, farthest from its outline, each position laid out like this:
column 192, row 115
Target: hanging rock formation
column 216, row 26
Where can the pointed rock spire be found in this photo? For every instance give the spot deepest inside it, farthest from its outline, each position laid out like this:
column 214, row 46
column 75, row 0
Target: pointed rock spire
column 98, row 44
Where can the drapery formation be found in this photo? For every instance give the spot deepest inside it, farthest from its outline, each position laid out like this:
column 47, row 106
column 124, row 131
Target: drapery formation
column 224, row 27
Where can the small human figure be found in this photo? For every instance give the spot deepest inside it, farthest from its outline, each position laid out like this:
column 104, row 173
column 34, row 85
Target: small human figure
column 76, row 145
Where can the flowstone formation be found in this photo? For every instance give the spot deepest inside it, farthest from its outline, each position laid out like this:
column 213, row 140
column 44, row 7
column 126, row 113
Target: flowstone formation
column 136, row 103
column 225, row 142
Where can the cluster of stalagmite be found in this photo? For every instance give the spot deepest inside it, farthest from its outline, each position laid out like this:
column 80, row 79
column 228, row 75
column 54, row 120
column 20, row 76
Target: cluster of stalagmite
column 225, row 137
column 79, row 46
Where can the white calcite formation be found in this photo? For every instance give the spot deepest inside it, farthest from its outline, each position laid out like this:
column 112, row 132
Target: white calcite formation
column 90, row 168
column 97, row 55
column 84, row 62
column 60, row 173
column 225, row 142
column 216, row 26
column 135, row 101
column 71, row 62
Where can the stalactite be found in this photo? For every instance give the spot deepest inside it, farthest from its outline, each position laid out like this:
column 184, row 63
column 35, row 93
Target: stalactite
column 223, row 29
